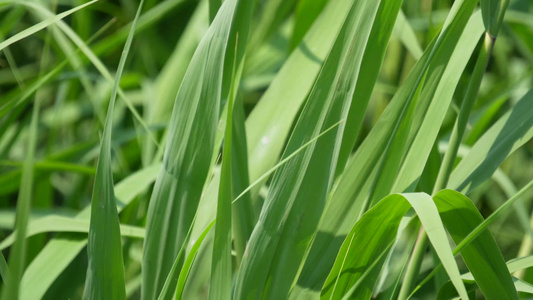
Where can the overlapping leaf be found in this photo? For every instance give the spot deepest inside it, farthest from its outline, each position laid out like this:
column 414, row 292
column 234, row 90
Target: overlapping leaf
column 187, row 156
column 297, row 195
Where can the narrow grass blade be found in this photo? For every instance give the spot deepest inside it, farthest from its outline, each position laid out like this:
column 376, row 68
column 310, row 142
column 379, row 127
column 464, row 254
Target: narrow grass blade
column 243, row 219
column 65, row 224
column 18, row 252
column 188, row 262
column 306, row 13
column 41, row 25
column 105, row 271
column 371, row 65
column 426, row 134
column 509, row 133
column 406, row 34
column 3, row 267
column 43, row 12
column 221, row 264
column 214, row 6
column 63, row 248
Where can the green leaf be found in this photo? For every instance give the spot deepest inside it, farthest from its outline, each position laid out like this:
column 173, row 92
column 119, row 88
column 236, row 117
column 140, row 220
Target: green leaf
column 62, row 249
column 187, row 156
column 270, row 122
column 482, row 256
column 509, row 133
column 42, row 12
column 3, row 267
column 105, row 270
column 354, row 184
column 243, row 218
column 41, row 25
column 187, row 265
column 426, row 133
column 17, row 257
column 406, row 34
column 361, row 250
column 214, row 5
column 298, row 191
column 490, row 10
column 371, row 65
column 65, row 224
column 221, row 267
column 306, row 13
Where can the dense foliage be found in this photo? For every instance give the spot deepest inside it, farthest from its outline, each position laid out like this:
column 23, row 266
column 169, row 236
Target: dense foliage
column 266, row 149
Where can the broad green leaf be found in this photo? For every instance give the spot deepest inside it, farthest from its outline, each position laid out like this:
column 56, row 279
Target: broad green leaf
column 187, row 156
column 298, row 191
column 482, row 255
column 105, row 270
column 360, row 250
column 471, row 230
column 448, row 292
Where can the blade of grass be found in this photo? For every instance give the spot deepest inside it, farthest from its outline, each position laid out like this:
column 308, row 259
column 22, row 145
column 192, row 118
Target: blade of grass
column 188, row 262
column 449, row 158
column 187, row 157
column 43, row 12
column 62, row 249
column 385, row 217
column 477, row 231
column 18, row 252
column 105, row 270
column 270, row 122
column 41, row 25
column 220, row 284
column 214, row 6
column 352, row 190
column 298, row 192
column 65, row 224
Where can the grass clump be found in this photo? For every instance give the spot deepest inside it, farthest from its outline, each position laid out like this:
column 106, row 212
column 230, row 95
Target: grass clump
column 272, row 149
